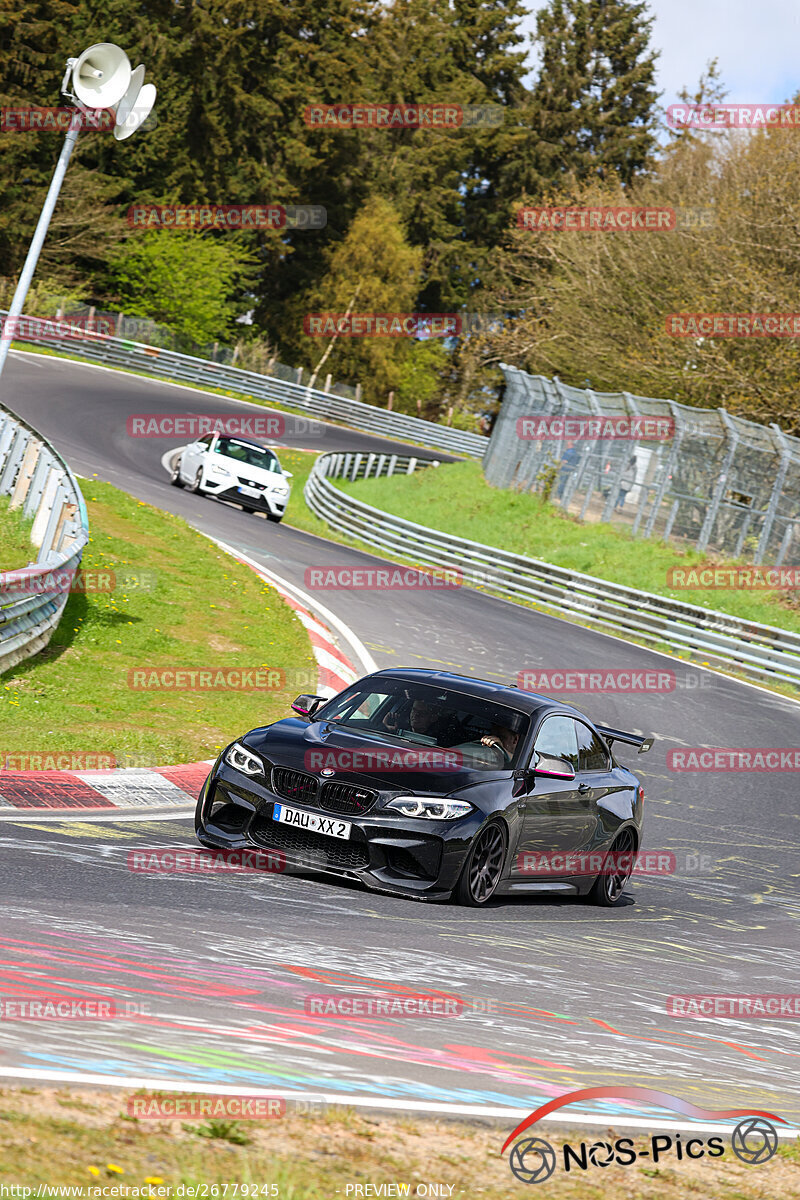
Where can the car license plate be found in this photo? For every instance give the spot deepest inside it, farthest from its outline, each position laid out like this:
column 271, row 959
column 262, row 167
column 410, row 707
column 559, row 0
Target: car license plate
column 254, row 493
column 332, row 826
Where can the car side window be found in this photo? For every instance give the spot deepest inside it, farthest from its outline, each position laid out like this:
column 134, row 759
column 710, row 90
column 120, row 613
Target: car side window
column 592, row 754
column 557, row 737
column 206, row 441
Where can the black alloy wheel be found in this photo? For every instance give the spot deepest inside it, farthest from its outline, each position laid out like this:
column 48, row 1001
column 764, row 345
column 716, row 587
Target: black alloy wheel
column 484, row 866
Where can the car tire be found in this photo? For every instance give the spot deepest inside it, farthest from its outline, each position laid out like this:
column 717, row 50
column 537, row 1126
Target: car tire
column 273, row 517
column 195, row 486
column 175, row 477
column 608, row 890
column 484, row 866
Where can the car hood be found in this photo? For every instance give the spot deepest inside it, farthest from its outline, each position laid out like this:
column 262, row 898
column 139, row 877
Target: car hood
column 311, row 746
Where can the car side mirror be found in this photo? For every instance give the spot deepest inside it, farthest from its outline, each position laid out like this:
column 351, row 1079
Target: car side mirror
column 288, row 474
column 552, row 766
column 306, row 706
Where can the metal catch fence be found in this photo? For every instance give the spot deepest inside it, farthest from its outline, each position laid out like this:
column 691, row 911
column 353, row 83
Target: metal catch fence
column 708, row 479
column 761, row 653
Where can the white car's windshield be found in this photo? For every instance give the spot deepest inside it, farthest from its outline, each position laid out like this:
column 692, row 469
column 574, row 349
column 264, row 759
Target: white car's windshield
column 245, row 452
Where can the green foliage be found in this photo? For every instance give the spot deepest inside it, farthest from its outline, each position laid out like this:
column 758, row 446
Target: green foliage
column 373, row 270
column 224, row 1131
column 185, row 281
column 546, row 479
column 419, row 378
column 234, row 80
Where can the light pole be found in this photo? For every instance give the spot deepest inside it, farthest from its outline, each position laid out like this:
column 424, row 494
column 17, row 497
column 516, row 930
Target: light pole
column 101, row 78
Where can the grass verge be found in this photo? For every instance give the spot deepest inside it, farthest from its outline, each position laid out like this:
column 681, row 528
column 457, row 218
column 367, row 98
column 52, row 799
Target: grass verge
column 455, row 499
column 177, row 602
column 15, row 538
column 96, row 1145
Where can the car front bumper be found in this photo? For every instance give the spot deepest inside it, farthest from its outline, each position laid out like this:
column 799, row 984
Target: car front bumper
column 266, row 501
column 392, row 853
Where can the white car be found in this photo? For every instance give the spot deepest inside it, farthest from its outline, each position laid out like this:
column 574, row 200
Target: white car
column 236, row 469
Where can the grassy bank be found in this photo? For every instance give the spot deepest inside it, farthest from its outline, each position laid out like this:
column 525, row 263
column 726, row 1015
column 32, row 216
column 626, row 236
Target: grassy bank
column 456, row 499
column 177, row 602
column 87, row 1140
column 15, row 538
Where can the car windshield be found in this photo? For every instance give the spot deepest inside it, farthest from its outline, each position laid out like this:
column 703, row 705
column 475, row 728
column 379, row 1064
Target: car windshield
column 489, row 736
column 245, row 452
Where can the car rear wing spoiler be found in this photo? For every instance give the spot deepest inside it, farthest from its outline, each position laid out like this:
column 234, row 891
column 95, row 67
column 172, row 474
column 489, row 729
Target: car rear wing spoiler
column 630, row 739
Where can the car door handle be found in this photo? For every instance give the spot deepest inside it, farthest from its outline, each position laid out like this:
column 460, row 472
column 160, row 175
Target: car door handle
column 583, row 788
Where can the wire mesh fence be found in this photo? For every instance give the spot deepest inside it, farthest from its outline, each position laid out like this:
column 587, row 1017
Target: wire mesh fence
column 697, row 476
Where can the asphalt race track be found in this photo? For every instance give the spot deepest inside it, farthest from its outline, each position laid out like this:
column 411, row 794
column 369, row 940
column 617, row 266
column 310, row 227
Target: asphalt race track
column 557, row 995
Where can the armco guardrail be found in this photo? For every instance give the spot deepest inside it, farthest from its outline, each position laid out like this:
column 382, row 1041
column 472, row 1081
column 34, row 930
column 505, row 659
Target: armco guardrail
column 167, row 364
column 41, row 484
column 760, row 652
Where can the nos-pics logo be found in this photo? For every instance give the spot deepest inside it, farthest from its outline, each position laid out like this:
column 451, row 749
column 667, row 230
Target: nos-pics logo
column 754, row 1140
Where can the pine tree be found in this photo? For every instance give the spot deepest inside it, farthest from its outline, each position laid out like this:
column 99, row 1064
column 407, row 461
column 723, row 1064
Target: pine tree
column 594, row 101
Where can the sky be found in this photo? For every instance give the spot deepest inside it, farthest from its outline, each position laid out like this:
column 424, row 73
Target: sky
column 757, row 43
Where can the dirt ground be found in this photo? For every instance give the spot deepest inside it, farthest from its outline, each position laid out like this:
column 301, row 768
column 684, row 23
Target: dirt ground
column 85, row 1143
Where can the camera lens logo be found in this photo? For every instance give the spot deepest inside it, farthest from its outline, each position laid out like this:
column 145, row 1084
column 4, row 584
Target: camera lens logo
column 533, row 1160
column 754, row 1140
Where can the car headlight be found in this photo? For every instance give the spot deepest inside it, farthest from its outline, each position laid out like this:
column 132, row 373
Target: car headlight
column 281, row 489
column 218, row 469
column 431, row 808
column 239, row 757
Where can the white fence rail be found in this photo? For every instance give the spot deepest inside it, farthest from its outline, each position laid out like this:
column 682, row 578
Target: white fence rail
column 42, row 487
column 168, row 364
column 760, row 652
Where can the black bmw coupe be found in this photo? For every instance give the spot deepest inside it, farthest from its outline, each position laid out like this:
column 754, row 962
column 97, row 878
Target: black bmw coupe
column 434, row 785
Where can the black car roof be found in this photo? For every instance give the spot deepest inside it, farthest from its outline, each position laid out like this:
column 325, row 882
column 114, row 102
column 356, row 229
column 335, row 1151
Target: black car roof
column 498, row 693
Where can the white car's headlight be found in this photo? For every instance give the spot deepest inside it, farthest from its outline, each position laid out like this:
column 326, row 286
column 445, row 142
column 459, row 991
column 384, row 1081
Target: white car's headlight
column 281, row 489
column 218, row 469
column 432, row 808
column 239, row 757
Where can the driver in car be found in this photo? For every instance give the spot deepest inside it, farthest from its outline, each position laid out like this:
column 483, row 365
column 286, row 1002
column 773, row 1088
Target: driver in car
column 503, row 739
